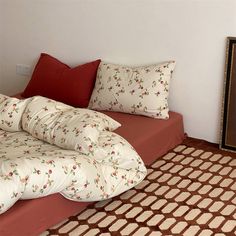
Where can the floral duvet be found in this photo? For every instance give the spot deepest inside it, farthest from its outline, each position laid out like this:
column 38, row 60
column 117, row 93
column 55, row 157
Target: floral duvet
column 48, row 147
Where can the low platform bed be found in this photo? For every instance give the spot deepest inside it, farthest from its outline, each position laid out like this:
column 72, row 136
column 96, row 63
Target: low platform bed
column 150, row 137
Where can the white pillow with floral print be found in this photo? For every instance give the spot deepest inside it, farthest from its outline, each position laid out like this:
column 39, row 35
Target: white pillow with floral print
column 137, row 90
column 11, row 110
column 65, row 126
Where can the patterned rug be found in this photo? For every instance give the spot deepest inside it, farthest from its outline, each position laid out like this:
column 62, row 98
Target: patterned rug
column 189, row 191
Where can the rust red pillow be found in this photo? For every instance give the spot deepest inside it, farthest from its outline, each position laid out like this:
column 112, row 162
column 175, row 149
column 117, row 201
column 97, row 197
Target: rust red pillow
column 56, row 80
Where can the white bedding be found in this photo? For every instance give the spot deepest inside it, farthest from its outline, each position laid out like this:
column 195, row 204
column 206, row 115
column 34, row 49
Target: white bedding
column 48, row 147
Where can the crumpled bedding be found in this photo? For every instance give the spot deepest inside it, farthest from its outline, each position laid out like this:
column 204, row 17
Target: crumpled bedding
column 48, row 147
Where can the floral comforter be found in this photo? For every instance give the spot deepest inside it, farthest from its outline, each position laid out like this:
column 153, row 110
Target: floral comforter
column 48, row 147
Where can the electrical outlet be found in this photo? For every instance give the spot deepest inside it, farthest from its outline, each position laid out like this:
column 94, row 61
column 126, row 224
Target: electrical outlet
column 24, row 70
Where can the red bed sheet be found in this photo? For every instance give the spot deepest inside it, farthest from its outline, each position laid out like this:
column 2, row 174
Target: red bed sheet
column 150, row 137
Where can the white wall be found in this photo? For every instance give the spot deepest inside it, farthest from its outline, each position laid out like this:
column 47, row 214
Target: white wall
column 129, row 32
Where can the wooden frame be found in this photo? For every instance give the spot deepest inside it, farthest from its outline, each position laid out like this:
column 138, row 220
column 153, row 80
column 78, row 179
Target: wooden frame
column 228, row 124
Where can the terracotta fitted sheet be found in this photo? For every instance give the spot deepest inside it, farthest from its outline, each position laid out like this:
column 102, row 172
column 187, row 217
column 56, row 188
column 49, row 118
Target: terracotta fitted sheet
column 150, row 137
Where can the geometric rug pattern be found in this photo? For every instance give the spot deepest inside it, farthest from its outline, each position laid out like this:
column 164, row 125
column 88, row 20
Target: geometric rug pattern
column 188, row 192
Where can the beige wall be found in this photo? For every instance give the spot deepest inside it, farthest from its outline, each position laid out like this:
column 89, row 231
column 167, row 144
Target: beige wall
column 130, row 32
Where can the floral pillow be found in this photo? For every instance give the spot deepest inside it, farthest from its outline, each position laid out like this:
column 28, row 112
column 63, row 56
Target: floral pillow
column 65, row 126
column 11, row 110
column 137, row 90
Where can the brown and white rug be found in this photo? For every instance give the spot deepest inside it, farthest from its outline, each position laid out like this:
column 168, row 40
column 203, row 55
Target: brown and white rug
column 189, row 191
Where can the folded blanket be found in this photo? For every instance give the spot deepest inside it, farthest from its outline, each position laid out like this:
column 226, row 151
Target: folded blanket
column 48, row 147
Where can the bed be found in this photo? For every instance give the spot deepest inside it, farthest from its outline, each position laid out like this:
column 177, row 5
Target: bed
column 150, row 137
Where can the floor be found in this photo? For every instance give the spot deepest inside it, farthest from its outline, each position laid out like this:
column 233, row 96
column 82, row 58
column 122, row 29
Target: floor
column 189, row 191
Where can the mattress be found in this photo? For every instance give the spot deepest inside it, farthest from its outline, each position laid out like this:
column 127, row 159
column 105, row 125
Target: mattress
column 150, row 137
